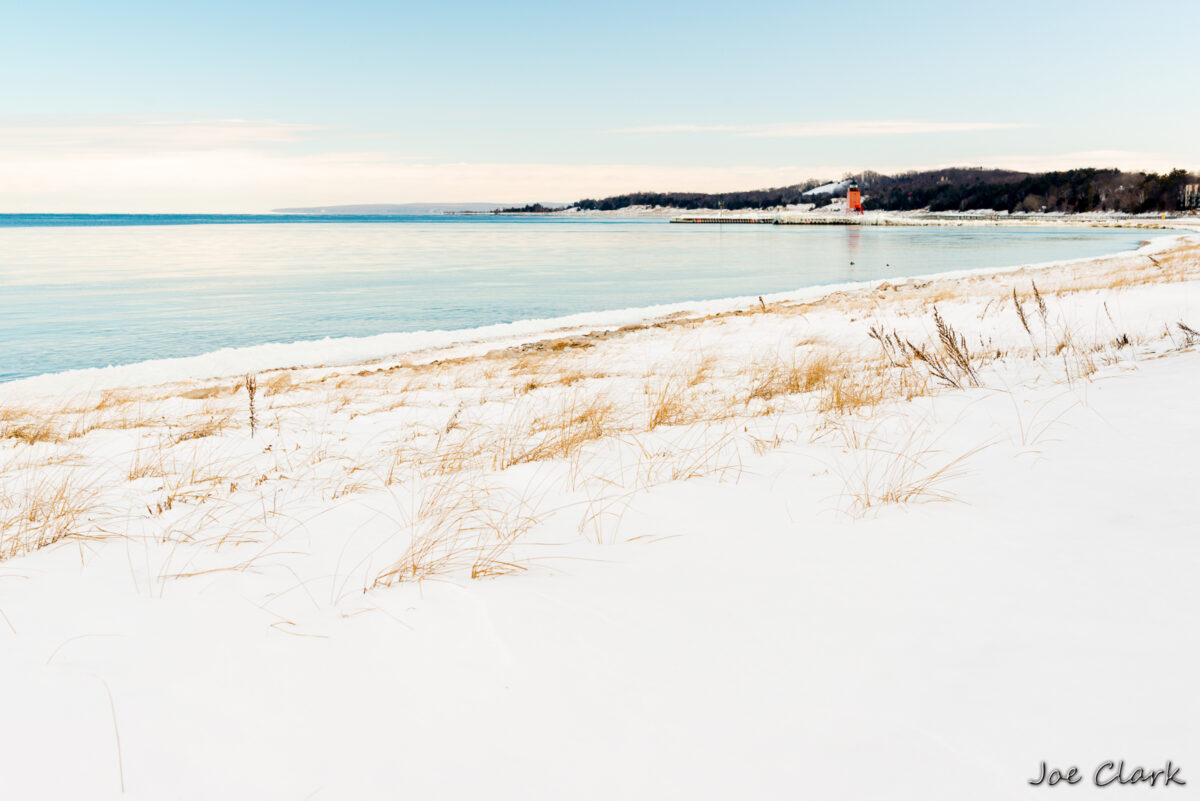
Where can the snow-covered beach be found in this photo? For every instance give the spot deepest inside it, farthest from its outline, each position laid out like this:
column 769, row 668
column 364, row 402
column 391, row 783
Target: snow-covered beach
column 906, row 539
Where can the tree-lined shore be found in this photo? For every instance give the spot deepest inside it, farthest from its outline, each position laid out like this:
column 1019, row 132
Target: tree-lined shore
column 951, row 189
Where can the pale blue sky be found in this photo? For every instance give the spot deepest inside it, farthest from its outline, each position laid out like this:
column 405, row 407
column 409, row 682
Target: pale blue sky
column 243, row 106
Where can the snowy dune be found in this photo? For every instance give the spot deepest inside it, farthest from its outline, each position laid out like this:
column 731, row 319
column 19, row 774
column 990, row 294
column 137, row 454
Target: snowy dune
column 816, row 547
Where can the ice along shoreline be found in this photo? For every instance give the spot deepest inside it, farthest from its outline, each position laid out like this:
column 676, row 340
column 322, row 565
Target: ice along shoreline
column 428, row 345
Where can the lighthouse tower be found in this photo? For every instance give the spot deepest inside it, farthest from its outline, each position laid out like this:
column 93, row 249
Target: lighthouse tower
column 853, row 198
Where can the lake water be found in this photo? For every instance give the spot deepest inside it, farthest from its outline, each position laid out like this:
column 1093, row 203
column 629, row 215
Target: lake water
column 94, row 291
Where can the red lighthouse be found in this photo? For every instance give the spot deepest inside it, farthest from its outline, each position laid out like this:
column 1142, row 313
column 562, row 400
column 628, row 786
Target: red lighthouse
column 853, row 198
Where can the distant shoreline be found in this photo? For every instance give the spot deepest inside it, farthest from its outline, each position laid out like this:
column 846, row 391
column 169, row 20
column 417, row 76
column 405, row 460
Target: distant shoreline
column 921, row 218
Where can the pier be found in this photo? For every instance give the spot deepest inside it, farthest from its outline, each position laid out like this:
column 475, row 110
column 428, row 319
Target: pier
column 829, row 219
column 776, row 219
column 761, row 219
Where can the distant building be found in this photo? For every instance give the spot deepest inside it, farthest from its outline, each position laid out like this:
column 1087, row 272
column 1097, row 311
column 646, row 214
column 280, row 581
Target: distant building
column 1189, row 197
column 854, row 198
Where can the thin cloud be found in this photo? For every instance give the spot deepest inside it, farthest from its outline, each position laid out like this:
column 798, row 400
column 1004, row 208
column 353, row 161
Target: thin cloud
column 252, row 180
column 878, row 128
column 798, row 130
column 660, row 129
column 143, row 134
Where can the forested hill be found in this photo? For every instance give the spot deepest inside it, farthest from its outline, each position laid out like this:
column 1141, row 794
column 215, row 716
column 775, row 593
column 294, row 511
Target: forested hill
column 955, row 189
column 752, row 199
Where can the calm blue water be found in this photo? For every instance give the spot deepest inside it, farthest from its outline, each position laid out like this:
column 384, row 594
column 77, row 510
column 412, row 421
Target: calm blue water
column 89, row 291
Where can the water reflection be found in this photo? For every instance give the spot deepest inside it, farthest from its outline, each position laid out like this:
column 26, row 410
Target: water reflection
column 853, row 244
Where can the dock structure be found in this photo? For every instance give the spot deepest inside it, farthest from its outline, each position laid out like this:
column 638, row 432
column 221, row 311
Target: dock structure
column 741, row 219
column 828, row 219
column 775, row 219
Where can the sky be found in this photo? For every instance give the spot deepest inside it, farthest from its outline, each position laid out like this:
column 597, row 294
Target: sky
column 248, row 106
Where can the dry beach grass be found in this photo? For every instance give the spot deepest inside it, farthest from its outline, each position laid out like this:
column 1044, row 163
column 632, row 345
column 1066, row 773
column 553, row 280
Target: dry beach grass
column 454, row 464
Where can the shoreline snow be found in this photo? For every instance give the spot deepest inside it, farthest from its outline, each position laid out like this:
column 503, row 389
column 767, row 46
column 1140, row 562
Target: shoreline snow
column 343, row 351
